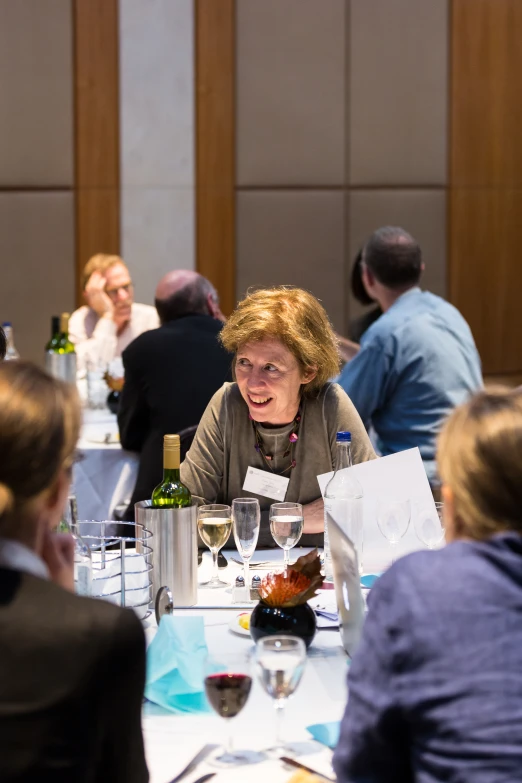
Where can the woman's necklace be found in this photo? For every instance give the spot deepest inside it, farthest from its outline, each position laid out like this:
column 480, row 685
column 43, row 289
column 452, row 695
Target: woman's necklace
column 292, row 440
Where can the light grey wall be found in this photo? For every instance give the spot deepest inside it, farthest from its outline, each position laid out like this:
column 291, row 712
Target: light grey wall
column 157, row 139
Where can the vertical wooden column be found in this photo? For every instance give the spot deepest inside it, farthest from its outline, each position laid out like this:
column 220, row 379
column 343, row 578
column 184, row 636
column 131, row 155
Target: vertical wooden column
column 485, row 195
column 96, row 109
column 215, row 146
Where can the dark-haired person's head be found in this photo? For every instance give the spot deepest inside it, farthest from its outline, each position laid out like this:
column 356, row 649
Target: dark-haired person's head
column 3, row 344
column 183, row 292
column 393, row 257
column 356, row 284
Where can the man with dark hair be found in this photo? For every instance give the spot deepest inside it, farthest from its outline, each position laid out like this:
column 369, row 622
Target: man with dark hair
column 3, row 344
column 171, row 373
column 417, row 361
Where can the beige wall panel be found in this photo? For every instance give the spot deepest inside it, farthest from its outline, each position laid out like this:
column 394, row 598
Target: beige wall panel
column 37, row 258
column 36, row 93
column 290, row 92
column 398, row 54
column 293, row 238
column 421, row 212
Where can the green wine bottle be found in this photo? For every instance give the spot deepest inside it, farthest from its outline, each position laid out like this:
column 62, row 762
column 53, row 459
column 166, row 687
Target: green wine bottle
column 171, row 493
column 60, row 356
column 66, row 345
column 53, row 343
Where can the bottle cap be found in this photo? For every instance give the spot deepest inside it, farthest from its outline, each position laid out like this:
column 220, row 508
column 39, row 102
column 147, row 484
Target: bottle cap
column 171, row 441
column 7, row 323
column 344, row 437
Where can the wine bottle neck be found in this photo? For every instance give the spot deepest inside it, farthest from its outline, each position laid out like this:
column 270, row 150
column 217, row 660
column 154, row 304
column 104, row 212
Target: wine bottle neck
column 343, row 455
column 171, row 474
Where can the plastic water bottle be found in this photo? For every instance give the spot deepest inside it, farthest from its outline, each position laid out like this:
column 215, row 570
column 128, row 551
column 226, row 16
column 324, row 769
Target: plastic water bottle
column 11, row 352
column 343, row 499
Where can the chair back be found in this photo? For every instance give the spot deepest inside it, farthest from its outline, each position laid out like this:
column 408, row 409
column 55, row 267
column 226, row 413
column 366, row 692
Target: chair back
column 186, row 437
column 347, row 582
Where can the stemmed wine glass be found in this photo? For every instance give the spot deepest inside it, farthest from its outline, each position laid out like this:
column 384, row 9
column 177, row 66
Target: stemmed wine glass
column 214, row 525
column 393, row 518
column 429, row 524
column 246, row 520
column 280, row 664
column 286, row 526
column 228, row 689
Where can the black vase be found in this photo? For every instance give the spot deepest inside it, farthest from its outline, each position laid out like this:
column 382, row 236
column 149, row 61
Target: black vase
column 293, row 620
column 113, row 401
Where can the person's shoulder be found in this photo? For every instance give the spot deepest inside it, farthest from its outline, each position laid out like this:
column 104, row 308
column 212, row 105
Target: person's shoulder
column 143, row 309
column 145, row 315
column 80, row 314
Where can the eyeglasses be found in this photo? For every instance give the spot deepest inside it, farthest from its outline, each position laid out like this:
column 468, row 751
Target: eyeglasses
column 113, row 292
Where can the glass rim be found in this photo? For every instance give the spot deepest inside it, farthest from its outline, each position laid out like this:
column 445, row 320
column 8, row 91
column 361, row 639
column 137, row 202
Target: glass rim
column 286, row 504
column 245, row 500
column 214, row 507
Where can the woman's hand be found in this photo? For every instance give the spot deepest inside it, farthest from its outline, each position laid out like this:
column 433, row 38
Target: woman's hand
column 58, row 555
column 314, row 517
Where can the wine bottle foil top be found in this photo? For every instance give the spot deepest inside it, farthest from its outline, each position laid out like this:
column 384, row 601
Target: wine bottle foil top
column 171, row 442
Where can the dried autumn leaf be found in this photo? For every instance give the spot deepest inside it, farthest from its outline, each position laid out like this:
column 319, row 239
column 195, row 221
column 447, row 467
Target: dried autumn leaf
column 295, row 586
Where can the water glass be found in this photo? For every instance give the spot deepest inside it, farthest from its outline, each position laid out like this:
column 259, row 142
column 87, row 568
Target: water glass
column 429, row 524
column 280, row 665
column 246, row 521
column 286, row 526
column 393, row 518
column 214, row 526
column 97, row 389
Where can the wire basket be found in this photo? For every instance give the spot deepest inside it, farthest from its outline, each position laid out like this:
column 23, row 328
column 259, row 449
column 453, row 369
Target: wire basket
column 122, row 564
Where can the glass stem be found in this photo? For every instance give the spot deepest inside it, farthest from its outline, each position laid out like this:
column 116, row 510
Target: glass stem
column 230, row 743
column 279, row 708
column 393, row 545
column 215, row 573
column 246, row 576
column 286, row 552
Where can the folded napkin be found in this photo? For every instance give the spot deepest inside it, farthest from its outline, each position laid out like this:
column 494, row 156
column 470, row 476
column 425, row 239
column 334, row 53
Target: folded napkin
column 368, row 580
column 176, row 661
column 326, row 733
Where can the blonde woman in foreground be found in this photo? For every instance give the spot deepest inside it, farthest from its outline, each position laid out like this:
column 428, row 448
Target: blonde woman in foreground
column 435, row 688
column 72, row 669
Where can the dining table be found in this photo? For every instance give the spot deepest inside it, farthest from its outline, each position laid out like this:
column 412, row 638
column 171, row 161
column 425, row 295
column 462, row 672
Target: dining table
column 171, row 740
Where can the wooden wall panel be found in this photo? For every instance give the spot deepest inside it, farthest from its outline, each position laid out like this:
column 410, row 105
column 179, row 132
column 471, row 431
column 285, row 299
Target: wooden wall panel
column 215, row 146
column 96, row 100
column 485, row 197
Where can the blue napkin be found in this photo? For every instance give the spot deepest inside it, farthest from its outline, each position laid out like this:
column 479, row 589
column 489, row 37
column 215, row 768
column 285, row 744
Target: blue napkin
column 176, row 660
column 326, row 733
column 368, row 580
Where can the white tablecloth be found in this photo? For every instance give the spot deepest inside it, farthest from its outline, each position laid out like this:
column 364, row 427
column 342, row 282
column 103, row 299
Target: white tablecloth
column 171, row 740
column 106, row 475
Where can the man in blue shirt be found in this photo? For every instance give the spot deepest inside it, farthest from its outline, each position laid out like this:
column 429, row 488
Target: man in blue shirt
column 417, row 361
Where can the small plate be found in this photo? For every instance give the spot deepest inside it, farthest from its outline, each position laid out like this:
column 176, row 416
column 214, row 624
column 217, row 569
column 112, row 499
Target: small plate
column 236, row 628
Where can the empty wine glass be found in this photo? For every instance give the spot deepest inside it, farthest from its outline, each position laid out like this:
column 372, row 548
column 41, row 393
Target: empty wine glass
column 429, row 524
column 280, row 664
column 214, row 525
column 286, row 526
column 246, row 520
column 227, row 688
column 393, row 518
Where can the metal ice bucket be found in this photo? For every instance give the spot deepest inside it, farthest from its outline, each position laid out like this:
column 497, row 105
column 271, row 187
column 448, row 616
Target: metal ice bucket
column 175, row 550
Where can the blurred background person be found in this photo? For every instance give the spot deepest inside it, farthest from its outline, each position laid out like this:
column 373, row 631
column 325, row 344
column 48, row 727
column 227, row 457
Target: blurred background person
column 281, row 414
column 73, row 668
column 417, row 361
column 111, row 319
column 435, row 687
column 3, row 344
column 171, row 373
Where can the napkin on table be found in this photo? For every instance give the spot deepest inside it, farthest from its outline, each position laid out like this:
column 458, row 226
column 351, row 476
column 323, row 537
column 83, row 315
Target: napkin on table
column 326, row 733
column 176, row 660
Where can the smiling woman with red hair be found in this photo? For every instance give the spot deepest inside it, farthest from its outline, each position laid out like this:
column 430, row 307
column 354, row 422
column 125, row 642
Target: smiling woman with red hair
column 281, row 415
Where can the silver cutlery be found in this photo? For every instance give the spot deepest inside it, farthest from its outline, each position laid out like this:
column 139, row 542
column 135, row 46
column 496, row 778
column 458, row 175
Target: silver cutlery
column 252, row 565
column 191, row 766
column 206, row 777
column 295, row 763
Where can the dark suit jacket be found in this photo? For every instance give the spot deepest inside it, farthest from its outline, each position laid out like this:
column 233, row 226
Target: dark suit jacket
column 170, row 375
column 72, row 675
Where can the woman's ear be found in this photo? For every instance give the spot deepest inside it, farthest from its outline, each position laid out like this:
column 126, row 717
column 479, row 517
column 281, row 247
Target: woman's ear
column 308, row 375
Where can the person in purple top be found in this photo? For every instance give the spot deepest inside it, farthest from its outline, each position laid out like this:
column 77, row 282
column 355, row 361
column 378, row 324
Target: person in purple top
column 435, row 687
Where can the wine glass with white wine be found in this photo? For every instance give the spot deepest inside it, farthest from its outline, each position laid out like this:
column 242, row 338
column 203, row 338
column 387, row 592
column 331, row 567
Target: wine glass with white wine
column 214, row 525
column 286, row 526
